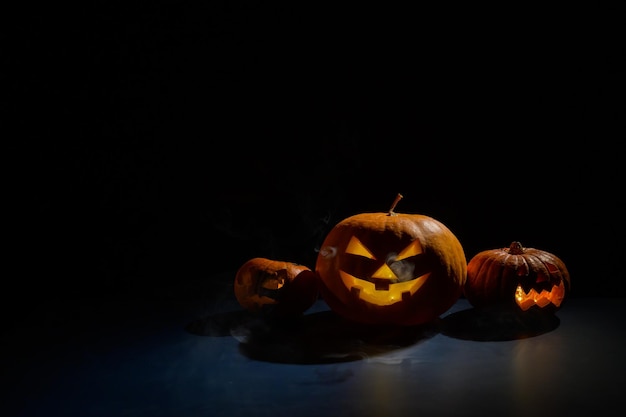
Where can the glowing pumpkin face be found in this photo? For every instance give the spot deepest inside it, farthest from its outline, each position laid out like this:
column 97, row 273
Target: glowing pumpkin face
column 390, row 268
column 518, row 277
column 399, row 270
column 275, row 288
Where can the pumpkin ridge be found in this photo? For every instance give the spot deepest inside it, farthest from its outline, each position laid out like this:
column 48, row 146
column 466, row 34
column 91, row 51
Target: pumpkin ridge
column 346, row 279
column 517, row 279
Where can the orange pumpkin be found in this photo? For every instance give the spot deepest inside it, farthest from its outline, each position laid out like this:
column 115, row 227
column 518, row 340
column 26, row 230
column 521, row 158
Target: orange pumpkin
column 518, row 277
column 391, row 268
column 275, row 288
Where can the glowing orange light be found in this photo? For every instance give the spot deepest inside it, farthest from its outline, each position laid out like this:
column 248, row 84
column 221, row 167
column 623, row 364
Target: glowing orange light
column 526, row 300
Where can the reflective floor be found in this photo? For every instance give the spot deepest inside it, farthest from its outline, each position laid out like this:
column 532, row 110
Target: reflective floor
column 179, row 352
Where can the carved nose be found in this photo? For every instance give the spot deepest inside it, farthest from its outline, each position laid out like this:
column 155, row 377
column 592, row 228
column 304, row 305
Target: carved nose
column 384, row 272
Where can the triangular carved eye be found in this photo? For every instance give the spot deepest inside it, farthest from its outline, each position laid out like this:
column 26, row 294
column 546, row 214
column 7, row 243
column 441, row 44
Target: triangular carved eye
column 414, row 248
column 355, row 247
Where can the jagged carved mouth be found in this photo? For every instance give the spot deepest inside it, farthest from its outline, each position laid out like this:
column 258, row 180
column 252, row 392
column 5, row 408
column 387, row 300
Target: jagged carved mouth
column 527, row 299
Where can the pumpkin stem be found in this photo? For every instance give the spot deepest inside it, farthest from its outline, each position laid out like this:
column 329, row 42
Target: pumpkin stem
column 516, row 248
column 393, row 205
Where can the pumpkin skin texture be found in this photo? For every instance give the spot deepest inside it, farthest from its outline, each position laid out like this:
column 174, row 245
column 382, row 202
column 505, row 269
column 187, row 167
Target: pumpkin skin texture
column 518, row 278
column 275, row 288
column 391, row 268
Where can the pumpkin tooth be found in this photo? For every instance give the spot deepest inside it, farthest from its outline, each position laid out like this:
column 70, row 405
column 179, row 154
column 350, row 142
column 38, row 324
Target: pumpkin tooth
column 382, row 284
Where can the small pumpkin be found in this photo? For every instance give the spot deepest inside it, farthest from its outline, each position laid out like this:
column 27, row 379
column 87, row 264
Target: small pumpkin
column 391, row 268
column 516, row 277
column 275, row 288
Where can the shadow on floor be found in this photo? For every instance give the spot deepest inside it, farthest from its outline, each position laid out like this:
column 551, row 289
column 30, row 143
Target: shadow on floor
column 321, row 337
column 497, row 324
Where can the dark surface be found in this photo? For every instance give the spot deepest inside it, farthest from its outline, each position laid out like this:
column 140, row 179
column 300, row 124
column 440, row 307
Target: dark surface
column 183, row 352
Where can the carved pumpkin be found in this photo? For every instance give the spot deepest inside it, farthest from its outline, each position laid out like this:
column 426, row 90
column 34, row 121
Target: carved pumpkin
column 391, row 268
column 516, row 277
column 275, row 288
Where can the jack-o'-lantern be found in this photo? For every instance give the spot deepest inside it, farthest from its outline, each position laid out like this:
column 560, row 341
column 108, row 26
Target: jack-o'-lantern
column 275, row 288
column 391, row 268
column 516, row 277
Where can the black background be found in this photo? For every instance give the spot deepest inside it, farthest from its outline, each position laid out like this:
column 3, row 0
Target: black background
column 158, row 143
